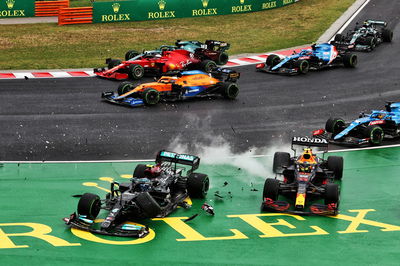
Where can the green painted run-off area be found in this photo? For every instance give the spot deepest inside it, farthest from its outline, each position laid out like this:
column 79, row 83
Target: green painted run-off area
column 36, row 196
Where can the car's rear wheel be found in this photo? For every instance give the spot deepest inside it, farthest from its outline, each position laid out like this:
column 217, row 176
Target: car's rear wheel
column 350, row 60
column 208, row 65
column 113, row 63
column 375, row 134
column 387, row 35
column 271, row 189
column 89, row 204
column 335, row 125
column 124, row 87
column 148, row 205
column 229, row 90
column 139, row 171
column 303, row 66
column 131, row 54
column 335, row 164
column 280, row 159
column 151, row 96
column 197, row 185
column 222, row 58
column 272, row 60
column 135, row 71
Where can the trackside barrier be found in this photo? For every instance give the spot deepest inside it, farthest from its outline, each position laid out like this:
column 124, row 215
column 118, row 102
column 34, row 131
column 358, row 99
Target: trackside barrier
column 49, row 8
column 76, row 15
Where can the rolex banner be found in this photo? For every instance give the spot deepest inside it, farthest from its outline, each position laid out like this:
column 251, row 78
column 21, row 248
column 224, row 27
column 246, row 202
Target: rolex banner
column 17, row 8
column 137, row 10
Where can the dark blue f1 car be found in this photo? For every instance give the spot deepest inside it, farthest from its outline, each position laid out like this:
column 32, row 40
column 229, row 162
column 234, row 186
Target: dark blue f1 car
column 367, row 129
column 318, row 57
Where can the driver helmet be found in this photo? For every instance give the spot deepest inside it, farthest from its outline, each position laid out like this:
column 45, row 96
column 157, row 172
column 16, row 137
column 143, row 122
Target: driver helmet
column 305, row 168
column 155, row 170
column 380, row 115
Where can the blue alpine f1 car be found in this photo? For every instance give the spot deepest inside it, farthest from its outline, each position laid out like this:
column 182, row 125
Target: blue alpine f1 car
column 368, row 129
column 319, row 56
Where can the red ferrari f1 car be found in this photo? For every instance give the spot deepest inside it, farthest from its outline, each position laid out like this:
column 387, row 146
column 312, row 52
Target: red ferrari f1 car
column 155, row 64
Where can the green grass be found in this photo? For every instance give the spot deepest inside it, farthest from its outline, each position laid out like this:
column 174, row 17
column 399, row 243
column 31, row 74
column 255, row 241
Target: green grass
column 47, row 46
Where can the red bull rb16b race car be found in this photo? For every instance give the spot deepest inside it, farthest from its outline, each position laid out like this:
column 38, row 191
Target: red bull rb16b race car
column 154, row 191
column 304, row 180
column 186, row 85
column 368, row 129
column 319, row 56
column 154, row 64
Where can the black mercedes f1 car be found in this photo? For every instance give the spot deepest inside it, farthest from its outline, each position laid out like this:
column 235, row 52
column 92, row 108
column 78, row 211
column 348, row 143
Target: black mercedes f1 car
column 154, row 191
column 305, row 179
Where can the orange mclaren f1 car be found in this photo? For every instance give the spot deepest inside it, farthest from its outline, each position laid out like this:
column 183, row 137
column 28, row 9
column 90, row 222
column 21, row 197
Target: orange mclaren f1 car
column 187, row 84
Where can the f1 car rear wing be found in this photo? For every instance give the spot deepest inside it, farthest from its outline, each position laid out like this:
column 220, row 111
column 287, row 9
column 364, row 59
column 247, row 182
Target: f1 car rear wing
column 307, row 141
column 377, row 22
column 217, row 45
column 231, row 75
column 173, row 157
column 310, row 142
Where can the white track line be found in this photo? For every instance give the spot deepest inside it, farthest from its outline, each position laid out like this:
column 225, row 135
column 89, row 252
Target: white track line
column 351, row 18
column 150, row 160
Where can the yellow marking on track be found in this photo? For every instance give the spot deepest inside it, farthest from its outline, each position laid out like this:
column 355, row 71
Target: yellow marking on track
column 107, row 179
column 126, row 176
column 93, row 184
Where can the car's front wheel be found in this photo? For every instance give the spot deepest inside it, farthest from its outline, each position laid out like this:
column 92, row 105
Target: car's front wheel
column 124, row 87
column 271, row 189
column 89, row 204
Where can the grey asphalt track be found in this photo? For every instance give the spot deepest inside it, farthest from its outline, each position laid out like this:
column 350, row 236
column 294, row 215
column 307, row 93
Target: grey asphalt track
column 64, row 119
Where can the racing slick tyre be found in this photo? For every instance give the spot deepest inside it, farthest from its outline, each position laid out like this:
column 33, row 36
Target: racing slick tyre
column 334, row 126
column 148, row 205
column 338, row 37
column 303, row 66
column 139, row 171
column 350, row 60
column 332, row 195
column 89, row 204
column 131, row 54
column 113, row 63
column 280, row 159
column 222, row 59
column 335, row 164
column 124, row 87
column 208, row 65
column 375, row 134
column 272, row 60
column 387, row 35
column 271, row 189
column 151, row 96
column 371, row 42
column 197, row 185
column 229, row 90
column 135, row 71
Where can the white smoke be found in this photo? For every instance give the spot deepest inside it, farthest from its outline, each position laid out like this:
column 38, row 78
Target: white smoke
column 217, row 151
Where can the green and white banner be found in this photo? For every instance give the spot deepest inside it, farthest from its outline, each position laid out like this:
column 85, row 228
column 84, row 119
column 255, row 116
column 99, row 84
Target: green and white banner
column 137, row 10
column 17, row 8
